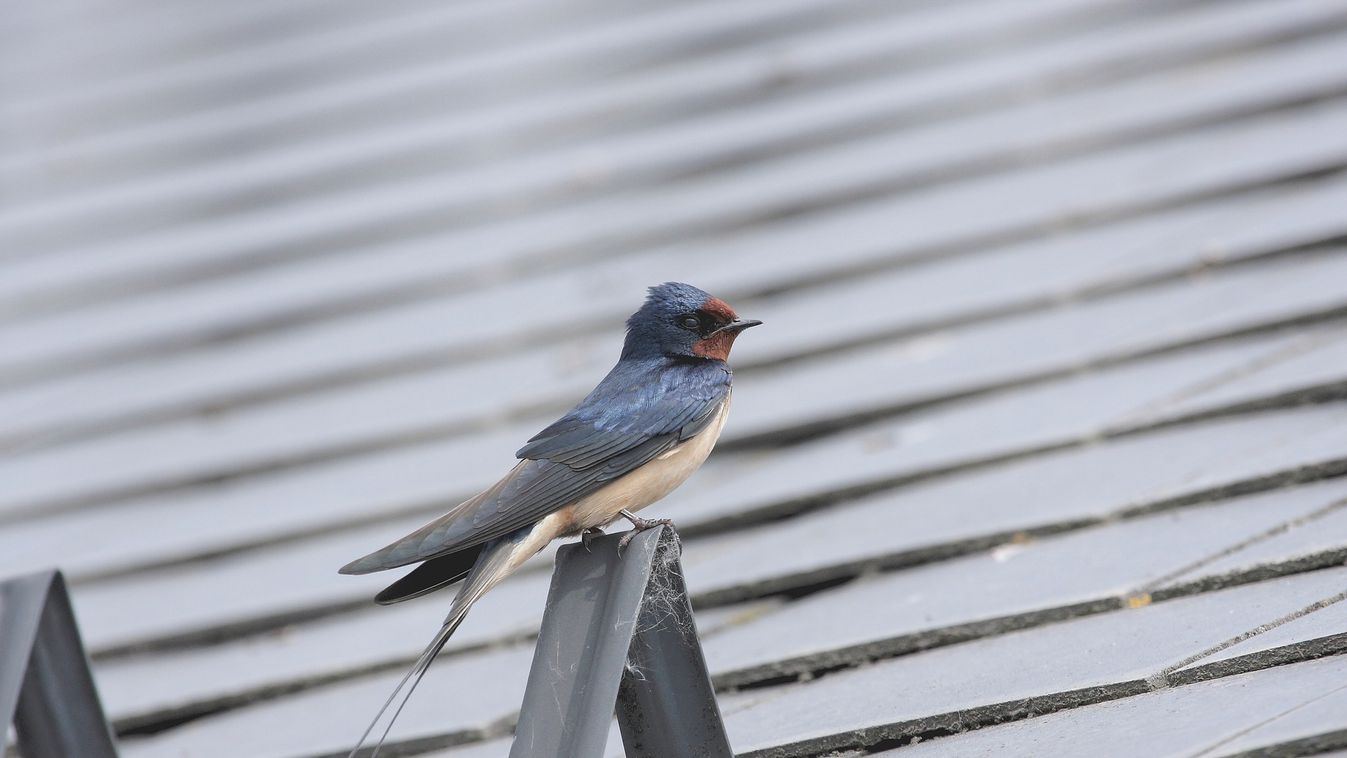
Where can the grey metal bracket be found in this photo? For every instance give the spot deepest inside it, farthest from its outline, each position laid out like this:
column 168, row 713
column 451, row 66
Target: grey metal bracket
column 618, row 634
column 46, row 689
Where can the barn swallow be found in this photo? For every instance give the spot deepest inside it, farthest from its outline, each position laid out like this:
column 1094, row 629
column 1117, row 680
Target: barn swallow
column 639, row 434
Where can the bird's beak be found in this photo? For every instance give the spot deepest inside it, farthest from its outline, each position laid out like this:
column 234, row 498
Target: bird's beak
column 737, row 325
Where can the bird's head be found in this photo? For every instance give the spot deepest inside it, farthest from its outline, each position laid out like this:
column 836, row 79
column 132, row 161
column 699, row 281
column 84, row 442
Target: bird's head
column 679, row 320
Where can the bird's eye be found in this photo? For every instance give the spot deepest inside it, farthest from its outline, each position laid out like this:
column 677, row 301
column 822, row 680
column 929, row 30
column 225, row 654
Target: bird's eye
column 689, row 322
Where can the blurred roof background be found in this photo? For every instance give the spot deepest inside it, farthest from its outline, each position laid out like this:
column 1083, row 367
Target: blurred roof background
column 1045, row 417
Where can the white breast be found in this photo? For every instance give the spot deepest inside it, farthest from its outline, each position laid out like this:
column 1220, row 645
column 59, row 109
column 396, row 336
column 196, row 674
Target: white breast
column 652, row 481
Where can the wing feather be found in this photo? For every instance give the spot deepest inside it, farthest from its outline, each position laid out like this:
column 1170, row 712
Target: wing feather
column 634, row 415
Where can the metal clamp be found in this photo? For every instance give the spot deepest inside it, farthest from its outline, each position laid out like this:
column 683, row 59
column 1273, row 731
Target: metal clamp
column 618, row 631
column 46, row 688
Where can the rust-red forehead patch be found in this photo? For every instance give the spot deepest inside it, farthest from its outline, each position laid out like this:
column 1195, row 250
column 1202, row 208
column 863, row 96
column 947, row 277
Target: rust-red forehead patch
column 719, row 308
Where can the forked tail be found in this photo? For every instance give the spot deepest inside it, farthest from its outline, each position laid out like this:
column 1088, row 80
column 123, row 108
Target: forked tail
column 494, row 564
column 414, row 675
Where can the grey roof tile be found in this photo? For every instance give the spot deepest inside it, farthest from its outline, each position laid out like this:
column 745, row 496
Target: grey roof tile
column 1322, row 531
column 464, row 698
column 1201, row 718
column 1326, row 623
column 143, row 686
column 1311, row 725
column 997, row 589
column 1062, row 665
column 860, row 461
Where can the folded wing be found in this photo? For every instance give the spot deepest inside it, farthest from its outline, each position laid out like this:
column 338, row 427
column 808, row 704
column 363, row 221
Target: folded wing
column 636, row 413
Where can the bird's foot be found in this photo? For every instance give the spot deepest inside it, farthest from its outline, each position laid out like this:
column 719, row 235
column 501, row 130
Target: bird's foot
column 588, row 535
column 639, row 525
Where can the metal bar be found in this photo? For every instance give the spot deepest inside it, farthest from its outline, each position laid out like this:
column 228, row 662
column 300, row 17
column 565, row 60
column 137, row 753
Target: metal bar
column 46, row 688
column 618, row 631
column 666, row 705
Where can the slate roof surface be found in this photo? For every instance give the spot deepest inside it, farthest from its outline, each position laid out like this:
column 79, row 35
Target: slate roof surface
column 1039, row 452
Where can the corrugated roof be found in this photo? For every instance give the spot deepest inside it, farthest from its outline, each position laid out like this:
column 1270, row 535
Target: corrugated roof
column 1039, row 453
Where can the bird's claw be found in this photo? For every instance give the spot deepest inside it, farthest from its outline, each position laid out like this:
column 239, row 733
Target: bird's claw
column 639, row 525
column 589, row 535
